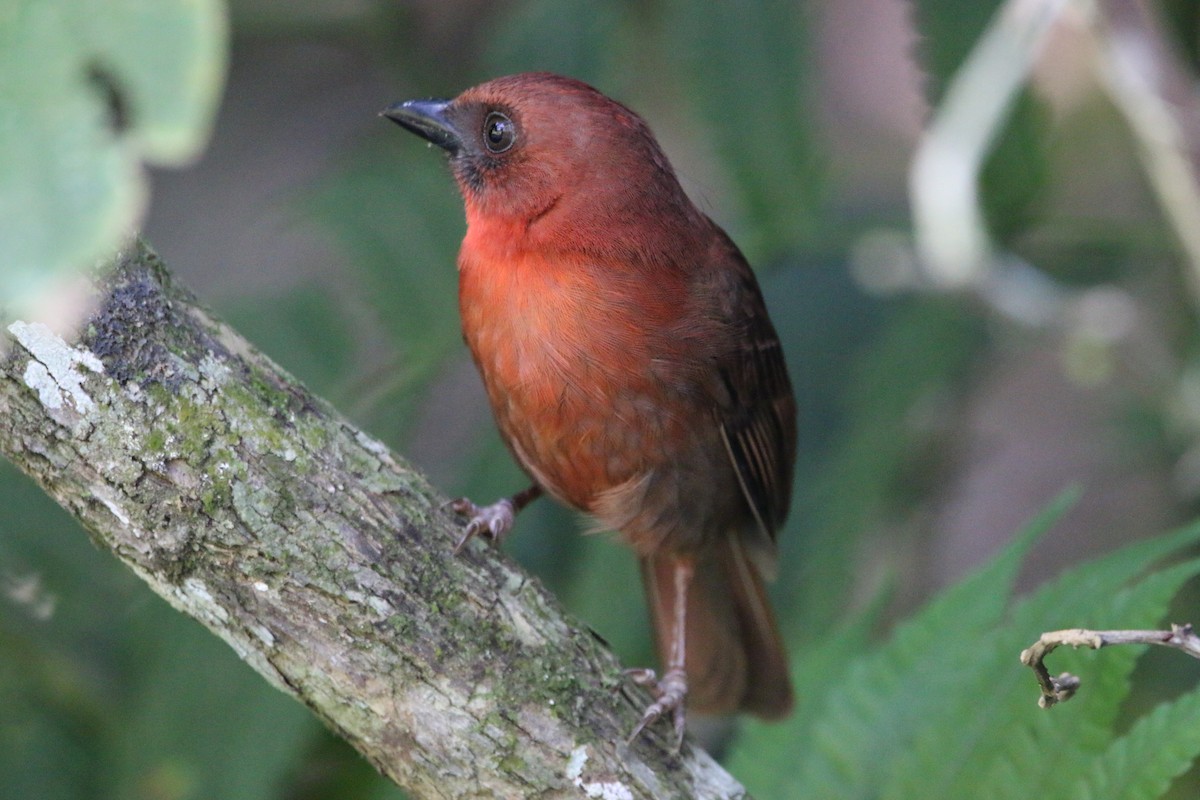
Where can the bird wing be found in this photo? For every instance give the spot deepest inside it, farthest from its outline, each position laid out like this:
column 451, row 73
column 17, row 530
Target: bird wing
column 758, row 418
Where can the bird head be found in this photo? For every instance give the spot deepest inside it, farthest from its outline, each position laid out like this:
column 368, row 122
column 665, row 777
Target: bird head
column 525, row 145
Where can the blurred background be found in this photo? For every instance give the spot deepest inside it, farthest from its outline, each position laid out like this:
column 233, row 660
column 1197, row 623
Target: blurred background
column 937, row 414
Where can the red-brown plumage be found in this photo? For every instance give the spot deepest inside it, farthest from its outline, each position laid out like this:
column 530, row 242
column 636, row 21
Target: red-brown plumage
column 630, row 364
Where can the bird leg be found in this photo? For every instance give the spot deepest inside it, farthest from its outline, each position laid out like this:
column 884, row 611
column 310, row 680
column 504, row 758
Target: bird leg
column 671, row 691
column 491, row 521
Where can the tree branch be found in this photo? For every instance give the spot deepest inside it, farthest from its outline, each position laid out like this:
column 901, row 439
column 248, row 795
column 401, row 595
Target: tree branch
column 320, row 557
column 1062, row 688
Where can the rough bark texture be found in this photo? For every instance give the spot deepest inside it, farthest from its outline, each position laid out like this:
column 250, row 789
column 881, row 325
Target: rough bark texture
column 321, row 558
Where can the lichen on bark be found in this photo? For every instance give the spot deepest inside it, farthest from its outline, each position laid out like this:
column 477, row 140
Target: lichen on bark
column 319, row 556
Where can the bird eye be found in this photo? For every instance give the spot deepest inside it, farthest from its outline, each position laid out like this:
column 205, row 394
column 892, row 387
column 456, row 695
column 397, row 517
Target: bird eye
column 499, row 132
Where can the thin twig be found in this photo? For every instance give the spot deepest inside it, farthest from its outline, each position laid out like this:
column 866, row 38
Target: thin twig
column 1062, row 688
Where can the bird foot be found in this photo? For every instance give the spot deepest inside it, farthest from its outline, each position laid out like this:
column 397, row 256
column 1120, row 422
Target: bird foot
column 669, row 693
column 491, row 522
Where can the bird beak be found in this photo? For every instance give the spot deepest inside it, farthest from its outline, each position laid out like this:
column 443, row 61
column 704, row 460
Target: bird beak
column 427, row 119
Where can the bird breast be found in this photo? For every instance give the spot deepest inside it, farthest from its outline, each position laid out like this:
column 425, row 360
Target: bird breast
column 578, row 361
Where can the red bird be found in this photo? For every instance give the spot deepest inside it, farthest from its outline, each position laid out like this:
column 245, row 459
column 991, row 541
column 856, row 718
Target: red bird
column 631, row 367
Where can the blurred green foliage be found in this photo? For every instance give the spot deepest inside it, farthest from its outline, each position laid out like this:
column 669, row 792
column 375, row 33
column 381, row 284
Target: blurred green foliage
column 105, row 85
column 941, row 711
column 108, row 694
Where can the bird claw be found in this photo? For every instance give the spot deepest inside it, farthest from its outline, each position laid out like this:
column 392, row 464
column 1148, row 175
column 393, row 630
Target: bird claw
column 669, row 693
column 491, row 522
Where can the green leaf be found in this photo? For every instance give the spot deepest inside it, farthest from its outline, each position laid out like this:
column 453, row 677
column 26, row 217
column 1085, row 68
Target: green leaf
column 883, row 700
column 988, row 737
column 944, row 709
column 761, row 757
column 1140, row 765
column 91, row 90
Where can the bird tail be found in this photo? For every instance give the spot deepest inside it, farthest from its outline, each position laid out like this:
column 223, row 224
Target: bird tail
column 735, row 657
